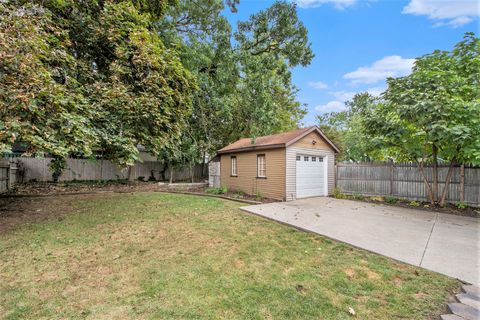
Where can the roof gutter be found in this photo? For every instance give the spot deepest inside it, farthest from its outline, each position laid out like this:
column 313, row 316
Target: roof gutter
column 252, row 148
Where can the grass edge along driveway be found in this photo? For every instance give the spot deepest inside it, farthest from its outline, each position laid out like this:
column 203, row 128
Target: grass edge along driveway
column 163, row 256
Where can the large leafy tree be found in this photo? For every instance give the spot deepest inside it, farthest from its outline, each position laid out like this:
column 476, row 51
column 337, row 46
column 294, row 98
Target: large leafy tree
column 244, row 85
column 269, row 44
column 348, row 131
column 434, row 113
column 90, row 76
column 105, row 76
column 202, row 35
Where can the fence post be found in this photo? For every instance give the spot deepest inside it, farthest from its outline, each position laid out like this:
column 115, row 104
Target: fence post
column 12, row 175
column 392, row 168
column 336, row 176
column 462, row 183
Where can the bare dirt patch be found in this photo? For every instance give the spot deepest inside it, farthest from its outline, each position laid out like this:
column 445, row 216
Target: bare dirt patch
column 19, row 211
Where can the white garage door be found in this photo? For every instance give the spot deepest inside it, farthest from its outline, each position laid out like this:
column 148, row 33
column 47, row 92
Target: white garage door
column 310, row 176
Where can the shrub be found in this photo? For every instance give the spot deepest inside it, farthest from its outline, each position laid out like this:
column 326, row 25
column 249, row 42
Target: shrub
column 337, row 193
column 391, row 200
column 414, row 204
column 141, row 178
column 358, row 196
column 238, row 194
column 462, row 205
column 220, row 190
column 258, row 196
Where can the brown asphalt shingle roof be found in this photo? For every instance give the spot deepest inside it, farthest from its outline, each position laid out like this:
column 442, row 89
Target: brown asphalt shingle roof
column 274, row 140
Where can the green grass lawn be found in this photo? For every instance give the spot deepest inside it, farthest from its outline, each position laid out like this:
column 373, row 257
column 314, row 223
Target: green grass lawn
column 163, row 256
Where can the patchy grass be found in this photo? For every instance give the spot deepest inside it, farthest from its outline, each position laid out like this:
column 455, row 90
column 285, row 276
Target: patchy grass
column 163, row 256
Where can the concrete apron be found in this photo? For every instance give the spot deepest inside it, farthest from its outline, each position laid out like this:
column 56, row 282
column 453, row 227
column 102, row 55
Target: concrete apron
column 439, row 242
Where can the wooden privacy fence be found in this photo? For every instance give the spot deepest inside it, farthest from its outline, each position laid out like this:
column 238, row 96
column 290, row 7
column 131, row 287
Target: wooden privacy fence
column 36, row 169
column 404, row 180
column 8, row 175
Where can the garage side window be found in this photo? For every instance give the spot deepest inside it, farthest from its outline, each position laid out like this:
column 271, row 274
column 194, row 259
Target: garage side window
column 234, row 166
column 261, row 166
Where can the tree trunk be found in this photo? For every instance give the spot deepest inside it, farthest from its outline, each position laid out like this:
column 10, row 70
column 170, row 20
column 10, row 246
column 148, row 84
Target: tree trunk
column 162, row 172
column 435, row 173
column 462, row 183
column 427, row 185
column 171, row 174
column 447, row 183
column 204, row 174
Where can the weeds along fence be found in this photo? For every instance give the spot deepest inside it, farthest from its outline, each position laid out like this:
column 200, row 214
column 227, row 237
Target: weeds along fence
column 404, row 180
column 37, row 169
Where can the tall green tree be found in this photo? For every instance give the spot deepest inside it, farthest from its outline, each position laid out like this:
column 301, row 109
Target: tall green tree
column 90, row 77
column 347, row 130
column 434, row 113
column 268, row 45
column 244, row 87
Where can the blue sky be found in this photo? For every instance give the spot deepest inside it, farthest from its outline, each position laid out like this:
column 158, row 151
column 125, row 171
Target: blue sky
column 358, row 43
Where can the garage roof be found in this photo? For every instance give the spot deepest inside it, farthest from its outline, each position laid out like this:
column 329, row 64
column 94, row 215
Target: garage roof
column 280, row 140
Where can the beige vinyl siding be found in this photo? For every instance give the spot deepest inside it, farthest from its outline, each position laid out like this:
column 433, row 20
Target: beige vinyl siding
column 307, row 142
column 305, row 146
column 273, row 186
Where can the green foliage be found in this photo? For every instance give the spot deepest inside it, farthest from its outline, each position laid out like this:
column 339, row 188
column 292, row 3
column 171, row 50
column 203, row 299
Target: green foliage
column 391, row 200
column 258, row 196
column 101, row 77
column 90, row 77
column 358, row 196
column 219, row 190
column 431, row 114
column 434, row 112
column 462, row 205
column 57, row 165
column 243, row 90
column 438, row 105
column 337, row 193
column 238, row 195
column 278, row 31
column 414, row 204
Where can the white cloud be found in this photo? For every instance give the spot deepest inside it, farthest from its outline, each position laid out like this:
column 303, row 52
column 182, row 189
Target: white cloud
column 376, row 91
column 339, row 4
column 348, row 95
column 318, row 85
column 343, row 95
column 390, row 66
column 331, row 106
column 453, row 13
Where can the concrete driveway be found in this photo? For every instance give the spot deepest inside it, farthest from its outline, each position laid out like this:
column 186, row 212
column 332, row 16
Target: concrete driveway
column 440, row 242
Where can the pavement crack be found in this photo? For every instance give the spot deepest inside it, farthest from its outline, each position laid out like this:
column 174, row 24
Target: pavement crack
column 428, row 241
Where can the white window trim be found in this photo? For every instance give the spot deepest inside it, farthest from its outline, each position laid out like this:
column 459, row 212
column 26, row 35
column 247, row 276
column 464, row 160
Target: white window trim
column 325, row 173
column 233, row 160
column 264, row 165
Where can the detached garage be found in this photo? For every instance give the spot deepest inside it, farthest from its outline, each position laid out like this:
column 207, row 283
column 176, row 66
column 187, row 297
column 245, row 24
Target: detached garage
column 285, row 166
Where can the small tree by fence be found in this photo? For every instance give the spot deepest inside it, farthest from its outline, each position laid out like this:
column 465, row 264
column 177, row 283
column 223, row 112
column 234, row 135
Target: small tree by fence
column 403, row 180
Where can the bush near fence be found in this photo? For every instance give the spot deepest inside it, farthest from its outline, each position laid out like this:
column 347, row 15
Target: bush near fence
column 404, row 180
